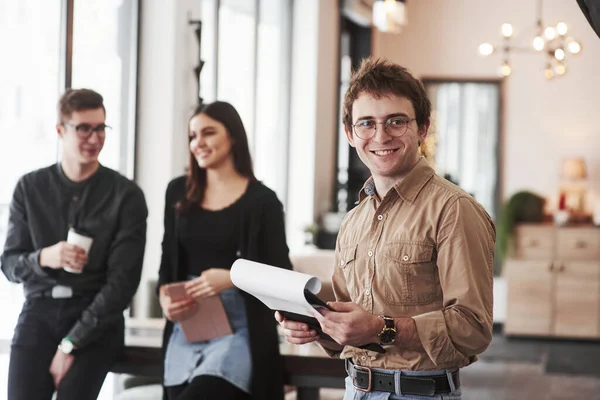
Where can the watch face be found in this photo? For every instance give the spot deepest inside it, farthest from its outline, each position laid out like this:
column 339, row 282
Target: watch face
column 66, row 346
column 387, row 336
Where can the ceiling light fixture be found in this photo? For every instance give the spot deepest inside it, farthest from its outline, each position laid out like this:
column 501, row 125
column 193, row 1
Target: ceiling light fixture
column 389, row 15
column 551, row 40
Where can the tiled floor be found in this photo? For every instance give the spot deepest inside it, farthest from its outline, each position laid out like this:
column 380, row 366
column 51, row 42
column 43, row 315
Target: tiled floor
column 516, row 381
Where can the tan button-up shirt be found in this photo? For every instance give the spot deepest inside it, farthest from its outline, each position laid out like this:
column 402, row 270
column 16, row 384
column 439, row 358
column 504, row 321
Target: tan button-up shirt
column 424, row 251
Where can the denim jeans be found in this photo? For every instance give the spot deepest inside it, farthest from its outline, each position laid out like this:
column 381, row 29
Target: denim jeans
column 354, row 394
column 42, row 324
column 227, row 357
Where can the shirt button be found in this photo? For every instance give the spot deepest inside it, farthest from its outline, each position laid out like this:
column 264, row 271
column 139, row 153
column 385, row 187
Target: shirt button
column 370, row 253
column 405, row 257
column 341, row 262
column 368, row 292
column 75, row 198
column 380, row 217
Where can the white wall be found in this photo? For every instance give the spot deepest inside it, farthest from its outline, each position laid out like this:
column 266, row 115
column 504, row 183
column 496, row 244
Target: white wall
column 167, row 90
column 544, row 120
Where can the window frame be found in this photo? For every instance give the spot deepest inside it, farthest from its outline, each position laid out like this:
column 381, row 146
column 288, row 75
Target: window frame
column 212, row 11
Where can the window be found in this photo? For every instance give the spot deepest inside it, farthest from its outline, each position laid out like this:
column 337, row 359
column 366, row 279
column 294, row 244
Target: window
column 27, row 110
column 104, row 59
column 32, row 77
column 463, row 142
column 270, row 139
column 246, row 46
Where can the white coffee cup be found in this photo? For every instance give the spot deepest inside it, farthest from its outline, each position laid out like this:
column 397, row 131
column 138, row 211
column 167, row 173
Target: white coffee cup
column 78, row 239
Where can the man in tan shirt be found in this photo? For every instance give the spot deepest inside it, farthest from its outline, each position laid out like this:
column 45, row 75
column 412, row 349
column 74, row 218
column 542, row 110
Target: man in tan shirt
column 414, row 258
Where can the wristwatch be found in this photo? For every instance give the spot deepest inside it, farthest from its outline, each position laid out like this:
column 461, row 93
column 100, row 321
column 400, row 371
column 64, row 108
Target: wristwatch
column 66, row 346
column 388, row 333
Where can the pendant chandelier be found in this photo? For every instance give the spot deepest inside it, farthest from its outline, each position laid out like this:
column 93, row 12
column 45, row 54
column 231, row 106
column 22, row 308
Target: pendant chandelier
column 551, row 41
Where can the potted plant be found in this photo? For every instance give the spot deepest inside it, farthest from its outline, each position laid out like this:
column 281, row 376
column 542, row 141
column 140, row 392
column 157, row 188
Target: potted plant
column 523, row 206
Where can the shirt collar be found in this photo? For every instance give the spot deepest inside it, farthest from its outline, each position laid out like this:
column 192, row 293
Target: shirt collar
column 77, row 185
column 408, row 187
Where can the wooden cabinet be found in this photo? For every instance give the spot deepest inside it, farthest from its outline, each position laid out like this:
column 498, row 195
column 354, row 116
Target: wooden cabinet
column 553, row 282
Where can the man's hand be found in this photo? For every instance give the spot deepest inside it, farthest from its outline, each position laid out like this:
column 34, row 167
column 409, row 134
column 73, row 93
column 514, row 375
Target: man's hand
column 63, row 254
column 211, row 282
column 349, row 324
column 61, row 363
column 175, row 310
column 296, row 332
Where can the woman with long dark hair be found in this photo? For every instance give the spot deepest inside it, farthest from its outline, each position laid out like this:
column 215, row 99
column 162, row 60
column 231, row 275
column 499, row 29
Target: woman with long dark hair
column 215, row 214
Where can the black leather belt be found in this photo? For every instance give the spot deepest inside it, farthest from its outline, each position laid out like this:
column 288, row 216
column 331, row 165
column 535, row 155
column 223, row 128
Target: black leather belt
column 367, row 380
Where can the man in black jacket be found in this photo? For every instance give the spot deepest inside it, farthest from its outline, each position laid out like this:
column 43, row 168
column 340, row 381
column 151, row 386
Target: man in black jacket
column 71, row 328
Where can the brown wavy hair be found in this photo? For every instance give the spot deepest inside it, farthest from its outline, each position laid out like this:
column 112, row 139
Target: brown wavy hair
column 226, row 114
column 380, row 77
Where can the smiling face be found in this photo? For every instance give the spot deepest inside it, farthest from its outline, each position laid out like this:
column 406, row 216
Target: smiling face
column 209, row 142
column 77, row 147
column 388, row 158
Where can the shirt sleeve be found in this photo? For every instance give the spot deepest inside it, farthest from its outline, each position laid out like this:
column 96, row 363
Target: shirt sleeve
column 20, row 260
column 126, row 256
column 466, row 239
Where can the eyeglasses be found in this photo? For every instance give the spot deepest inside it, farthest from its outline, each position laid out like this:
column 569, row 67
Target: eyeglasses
column 84, row 131
column 395, row 126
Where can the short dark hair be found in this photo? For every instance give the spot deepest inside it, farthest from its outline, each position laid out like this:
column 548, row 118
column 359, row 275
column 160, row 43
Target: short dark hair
column 379, row 77
column 78, row 100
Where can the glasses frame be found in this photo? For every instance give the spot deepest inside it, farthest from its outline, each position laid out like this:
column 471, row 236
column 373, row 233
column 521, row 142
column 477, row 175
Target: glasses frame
column 385, row 124
column 100, row 130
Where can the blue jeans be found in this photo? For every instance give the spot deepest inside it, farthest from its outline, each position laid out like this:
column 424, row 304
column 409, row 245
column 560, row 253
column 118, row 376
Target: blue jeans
column 227, row 357
column 354, row 394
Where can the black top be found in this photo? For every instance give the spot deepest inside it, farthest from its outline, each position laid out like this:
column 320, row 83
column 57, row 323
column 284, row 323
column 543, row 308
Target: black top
column 262, row 239
column 218, row 247
column 110, row 208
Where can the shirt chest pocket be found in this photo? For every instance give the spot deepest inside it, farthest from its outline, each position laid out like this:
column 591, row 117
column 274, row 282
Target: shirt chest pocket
column 347, row 261
column 410, row 274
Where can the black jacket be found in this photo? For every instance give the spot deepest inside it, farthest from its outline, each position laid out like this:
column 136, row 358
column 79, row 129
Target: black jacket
column 262, row 240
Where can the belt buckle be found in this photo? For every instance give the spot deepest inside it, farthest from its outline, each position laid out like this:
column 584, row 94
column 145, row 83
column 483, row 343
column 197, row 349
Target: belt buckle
column 361, row 368
column 62, row 292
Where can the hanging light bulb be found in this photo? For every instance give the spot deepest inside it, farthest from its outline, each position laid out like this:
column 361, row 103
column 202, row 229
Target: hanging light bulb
column 504, row 69
column 561, row 28
column 389, row 15
column 560, row 69
column 573, row 47
column 539, row 43
column 559, row 54
column 485, row 49
column 507, row 30
column 549, row 33
column 548, row 73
